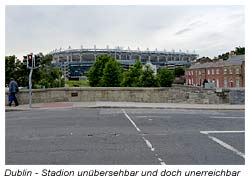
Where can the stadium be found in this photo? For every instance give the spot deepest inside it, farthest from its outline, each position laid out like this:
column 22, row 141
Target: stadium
column 75, row 63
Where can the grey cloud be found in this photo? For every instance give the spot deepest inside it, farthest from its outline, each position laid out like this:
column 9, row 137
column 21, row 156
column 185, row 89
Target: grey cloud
column 182, row 31
column 195, row 23
column 48, row 27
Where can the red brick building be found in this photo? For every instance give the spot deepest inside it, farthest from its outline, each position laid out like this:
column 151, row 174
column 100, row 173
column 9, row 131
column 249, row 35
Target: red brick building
column 224, row 74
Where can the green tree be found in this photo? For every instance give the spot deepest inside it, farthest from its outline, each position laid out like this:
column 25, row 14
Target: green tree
column 96, row 71
column 179, row 71
column 22, row 74
column 148, row 79
column 165, row 77
column 111, row 74
column 49, row 77
column 46, row 75
column 10, row 68
column 14, row 68
column 240, row 50
column 132, row 76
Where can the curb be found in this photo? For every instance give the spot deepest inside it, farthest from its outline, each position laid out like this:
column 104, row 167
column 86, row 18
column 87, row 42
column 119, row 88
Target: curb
column 124, row 107
column 10, row 110
column 187, row 108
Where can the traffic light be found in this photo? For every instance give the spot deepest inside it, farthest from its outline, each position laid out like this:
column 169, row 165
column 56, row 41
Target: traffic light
column 37, row 60
column 25, row 61
column 30, row 61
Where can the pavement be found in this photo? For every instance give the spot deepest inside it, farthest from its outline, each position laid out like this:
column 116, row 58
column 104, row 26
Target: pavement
column 108, row 104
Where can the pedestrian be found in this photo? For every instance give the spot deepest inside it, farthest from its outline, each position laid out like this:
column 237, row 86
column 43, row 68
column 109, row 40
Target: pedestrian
column 204, row 82
column 13, row 89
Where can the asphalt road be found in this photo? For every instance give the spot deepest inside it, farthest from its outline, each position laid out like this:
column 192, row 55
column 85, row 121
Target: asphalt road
column 125, row 137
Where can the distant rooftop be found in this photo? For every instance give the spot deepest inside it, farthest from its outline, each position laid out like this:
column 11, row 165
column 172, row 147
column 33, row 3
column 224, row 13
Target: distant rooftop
column 234, row 60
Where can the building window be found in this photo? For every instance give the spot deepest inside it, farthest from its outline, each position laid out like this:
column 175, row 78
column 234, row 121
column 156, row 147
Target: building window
column 231, row 83
column 217, row 83
column 230, row 71
column 237, row 82
column 225, row 70
column 199, row 72
column 208, row 71
column 217, row 71
column 212, row 71
column 237, row 71
column 225, row 82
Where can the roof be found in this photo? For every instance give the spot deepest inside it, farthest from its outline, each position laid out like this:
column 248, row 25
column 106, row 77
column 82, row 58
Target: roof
column 234, row 60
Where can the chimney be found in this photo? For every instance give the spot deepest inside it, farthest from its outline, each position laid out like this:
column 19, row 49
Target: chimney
column 231, row 54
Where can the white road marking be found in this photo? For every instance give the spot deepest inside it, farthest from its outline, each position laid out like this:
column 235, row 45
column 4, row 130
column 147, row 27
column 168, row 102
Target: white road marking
column 223, row 117
column 223, row 144
column 227, row 146
column 131, row 120
column 220, row 132
column 148, row 143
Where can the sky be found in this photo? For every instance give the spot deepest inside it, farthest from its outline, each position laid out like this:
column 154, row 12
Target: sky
column 209, row 30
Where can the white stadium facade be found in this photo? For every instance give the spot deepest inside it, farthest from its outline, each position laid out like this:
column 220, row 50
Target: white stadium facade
column 75, row 63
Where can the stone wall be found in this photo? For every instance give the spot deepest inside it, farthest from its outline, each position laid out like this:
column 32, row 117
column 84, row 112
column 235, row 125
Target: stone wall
column 237, row 96
column 175, row 94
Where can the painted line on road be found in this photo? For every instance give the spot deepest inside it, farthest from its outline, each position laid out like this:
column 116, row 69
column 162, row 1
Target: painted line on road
column 220, row 132
column 131, row 120
column 223, row 117
column 148, row 143
column 223, row 144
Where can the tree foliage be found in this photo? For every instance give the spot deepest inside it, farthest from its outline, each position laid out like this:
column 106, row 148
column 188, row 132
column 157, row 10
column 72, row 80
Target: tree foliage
column 96, row 71
column 132, row 76
column 238, row 51
column 165, row 77
column 111, row 74
column 46, row 75
column 14, row 68
column 147, row 78
column 179, row 71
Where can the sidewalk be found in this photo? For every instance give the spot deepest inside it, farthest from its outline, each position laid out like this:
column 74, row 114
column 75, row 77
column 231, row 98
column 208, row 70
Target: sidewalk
column 102, row 104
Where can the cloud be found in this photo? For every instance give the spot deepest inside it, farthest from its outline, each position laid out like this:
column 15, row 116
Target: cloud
column 44, row 28
column 182, row 31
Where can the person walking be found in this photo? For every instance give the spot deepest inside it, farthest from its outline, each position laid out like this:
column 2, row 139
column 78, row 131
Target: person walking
column 13, row 89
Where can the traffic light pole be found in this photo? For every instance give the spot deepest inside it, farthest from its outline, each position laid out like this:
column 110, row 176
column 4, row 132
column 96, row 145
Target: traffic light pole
column 32, row 63
column 30, row 88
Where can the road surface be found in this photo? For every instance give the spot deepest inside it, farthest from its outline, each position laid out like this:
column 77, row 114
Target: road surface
column 104, row 136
